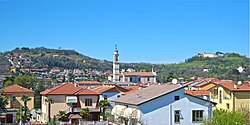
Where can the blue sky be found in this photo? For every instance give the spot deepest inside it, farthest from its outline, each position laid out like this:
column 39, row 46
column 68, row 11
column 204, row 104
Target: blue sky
column 164, row 31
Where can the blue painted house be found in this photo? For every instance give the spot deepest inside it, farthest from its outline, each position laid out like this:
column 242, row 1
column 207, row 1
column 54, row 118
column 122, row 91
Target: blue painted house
column 165, row 104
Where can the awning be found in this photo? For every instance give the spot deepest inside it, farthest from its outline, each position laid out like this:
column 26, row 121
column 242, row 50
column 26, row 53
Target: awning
column 71, row 99
column 118, row 110
column 74, row 116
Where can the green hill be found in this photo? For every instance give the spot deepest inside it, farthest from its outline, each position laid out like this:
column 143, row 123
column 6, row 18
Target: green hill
column 224, row 67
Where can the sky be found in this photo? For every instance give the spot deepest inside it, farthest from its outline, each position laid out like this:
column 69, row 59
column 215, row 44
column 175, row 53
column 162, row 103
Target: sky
column 152, row 31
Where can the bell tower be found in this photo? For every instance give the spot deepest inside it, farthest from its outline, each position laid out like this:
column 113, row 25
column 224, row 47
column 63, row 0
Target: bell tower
column 116, row 71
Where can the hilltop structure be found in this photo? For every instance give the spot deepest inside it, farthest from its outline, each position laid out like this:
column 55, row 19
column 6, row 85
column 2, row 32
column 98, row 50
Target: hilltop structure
column 129, row 76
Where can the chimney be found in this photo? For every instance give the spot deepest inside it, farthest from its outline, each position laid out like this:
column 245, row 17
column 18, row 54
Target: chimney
column 235, row 86
column 75, row 84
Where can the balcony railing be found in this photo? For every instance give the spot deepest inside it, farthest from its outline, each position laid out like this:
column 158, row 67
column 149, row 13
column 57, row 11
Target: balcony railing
column 79, row 109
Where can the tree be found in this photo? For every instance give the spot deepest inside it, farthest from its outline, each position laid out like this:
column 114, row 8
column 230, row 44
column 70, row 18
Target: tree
column 4, row 103
column 226, row 117
column 61, row 115
column 25, row 99
column 104, row 104
column 24, row 81
column 84, row 112
column 49, row 101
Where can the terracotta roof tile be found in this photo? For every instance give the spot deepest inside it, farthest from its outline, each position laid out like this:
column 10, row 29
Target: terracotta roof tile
column 106, row 88
column 16, row 89
column 88, row 82
column 86, row 91
column 131, row 89
column 68, row 89
column 230, row 85
column 197, row 92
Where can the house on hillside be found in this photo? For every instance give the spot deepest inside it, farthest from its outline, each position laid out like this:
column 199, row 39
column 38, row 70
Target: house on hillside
column 89, row 83
column 165, row 104
column 70, row 98
column 231, row 96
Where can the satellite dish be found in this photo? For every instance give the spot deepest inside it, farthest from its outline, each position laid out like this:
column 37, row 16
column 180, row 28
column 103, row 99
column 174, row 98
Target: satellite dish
column 239, row 82
column 174, row 81
column 205, row 97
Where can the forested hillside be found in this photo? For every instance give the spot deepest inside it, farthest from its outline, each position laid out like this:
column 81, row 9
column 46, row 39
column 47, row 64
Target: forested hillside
column 224, row 67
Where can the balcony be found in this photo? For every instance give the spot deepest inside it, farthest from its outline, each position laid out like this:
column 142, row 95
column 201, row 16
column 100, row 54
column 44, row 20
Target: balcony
column 76, row 110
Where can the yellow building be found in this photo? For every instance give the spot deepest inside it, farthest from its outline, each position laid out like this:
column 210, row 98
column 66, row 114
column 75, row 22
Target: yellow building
column 71, row 99
column 12, row 69
column 15, row 93
column 231, row 96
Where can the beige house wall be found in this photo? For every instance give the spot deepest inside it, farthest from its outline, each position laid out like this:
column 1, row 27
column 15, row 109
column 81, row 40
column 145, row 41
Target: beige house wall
column 226, row 97
column 61, row 105
column 242, row 100
column 58, row 105
column 17, row 103
column 94, row 101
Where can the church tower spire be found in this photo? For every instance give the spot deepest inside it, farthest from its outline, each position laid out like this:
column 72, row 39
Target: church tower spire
column 116, row 71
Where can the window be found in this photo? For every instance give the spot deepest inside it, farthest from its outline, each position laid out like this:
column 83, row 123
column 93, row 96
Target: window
column 197, row 115
column 88, row 102
column 220, row 99
column 148, row 79
column 118, row 96
column 176, row 98
column 13, row 98
column 130, row 79
column 228, row 106
column 177, row 116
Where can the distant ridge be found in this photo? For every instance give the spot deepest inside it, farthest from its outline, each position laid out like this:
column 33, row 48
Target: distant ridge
column 223, row 67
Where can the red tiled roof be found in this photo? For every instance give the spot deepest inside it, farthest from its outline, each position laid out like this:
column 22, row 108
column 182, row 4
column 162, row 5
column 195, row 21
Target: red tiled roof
column 131, row 89
column 88, row 82
column 16, row 89
column 137, row 73
column 86, row 91
column 67, row 89
column 197, row 92
column 230, row 85
column 108, row 87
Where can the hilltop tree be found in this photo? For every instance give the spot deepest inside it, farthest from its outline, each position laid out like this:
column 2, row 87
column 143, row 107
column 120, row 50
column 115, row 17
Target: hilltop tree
column 26, row 81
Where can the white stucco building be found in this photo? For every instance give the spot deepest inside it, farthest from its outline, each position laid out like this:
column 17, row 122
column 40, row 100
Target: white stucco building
column 129, row 76
column 165, row 104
